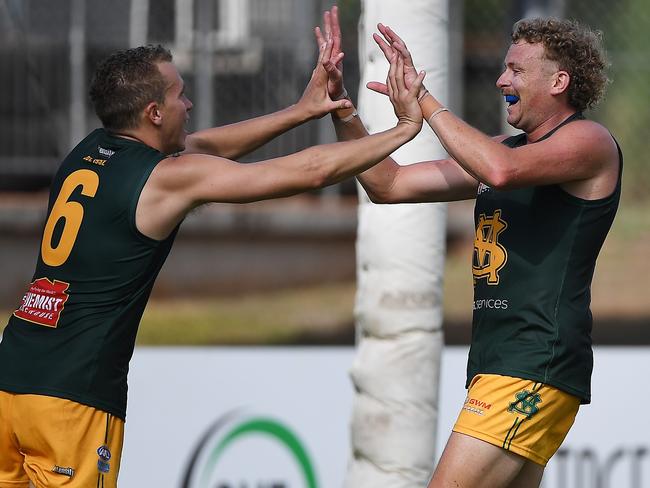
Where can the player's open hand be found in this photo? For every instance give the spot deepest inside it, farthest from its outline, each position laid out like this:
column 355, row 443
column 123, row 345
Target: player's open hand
column 391, row 44
column 315, row 101
column 404, row 99
column 334, row 64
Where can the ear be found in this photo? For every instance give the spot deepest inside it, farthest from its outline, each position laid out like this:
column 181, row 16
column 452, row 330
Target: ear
column 561, row 80
column 153, row 114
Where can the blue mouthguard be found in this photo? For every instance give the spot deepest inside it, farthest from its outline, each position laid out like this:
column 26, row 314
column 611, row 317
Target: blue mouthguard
column 511, row 99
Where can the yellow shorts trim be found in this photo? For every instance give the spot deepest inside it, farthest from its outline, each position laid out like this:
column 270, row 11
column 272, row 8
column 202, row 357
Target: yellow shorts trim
column 54, row 442
column 528, row 418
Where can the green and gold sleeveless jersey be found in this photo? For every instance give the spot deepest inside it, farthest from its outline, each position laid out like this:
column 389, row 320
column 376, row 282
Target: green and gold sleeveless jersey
column 74, row 332
column 535, row 250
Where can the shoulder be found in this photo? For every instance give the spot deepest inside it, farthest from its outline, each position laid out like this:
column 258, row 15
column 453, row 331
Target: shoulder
column 592, row 142
column 587, row 134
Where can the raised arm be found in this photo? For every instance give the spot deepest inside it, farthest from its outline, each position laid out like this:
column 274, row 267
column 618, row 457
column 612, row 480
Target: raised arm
column 389, row 182
column 235, row 140
column 178, row 184
column 581, row 156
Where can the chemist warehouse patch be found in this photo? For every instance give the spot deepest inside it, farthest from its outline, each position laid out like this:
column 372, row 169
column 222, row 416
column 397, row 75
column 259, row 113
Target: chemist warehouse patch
column 43, row 302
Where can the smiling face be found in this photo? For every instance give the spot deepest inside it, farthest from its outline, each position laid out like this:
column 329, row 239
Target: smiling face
column 530, row 82
column 174, row 110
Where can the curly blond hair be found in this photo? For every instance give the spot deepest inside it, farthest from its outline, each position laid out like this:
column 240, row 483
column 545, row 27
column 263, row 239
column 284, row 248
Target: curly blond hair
column 577, row 49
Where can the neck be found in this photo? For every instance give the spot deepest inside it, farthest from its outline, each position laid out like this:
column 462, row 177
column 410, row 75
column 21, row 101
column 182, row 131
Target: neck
column 548, row 124
column 137, row 135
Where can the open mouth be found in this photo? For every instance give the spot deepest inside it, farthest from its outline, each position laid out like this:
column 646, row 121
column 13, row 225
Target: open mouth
column 511, row 99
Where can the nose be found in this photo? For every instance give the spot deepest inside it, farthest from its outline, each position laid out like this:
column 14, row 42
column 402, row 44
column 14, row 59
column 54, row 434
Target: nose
column 188, row 104
column 503, row 80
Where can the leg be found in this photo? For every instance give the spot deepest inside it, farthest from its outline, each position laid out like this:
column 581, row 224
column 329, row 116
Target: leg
column 472, row 463
column 530, row 476
column 12, row 473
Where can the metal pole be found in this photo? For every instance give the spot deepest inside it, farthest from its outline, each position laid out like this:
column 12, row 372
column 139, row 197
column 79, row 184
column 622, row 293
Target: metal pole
column 77, row 40
column 204, row 65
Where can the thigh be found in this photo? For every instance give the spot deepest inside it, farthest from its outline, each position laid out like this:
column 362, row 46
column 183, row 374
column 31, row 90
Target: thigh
column 68, row 444
column 468, row 462
column 12, row 473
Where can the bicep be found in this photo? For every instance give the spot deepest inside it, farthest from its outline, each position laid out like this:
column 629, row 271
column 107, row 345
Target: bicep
column 433, row 181
column 581, row 151
column 196, row 179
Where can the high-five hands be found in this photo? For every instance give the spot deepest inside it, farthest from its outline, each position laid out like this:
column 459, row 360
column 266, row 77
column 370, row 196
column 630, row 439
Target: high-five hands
column 334, row 64
column 391, row 44
column 404, row 98
column 316, row 99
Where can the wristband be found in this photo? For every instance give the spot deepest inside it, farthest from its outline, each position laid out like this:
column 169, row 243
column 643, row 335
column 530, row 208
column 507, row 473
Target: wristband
column 436, row 112
column 347, row 119
column 424, row 94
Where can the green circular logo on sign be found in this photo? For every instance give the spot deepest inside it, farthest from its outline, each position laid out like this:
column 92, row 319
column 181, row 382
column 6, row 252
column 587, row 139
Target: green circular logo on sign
column 230, row 429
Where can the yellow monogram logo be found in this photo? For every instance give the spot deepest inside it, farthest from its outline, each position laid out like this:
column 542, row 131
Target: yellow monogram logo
column 489, row 255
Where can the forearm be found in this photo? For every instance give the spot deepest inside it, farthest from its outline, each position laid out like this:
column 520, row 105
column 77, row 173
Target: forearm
column 475, row 152
column 342, row 160
column 235, row 140
column 378, row 179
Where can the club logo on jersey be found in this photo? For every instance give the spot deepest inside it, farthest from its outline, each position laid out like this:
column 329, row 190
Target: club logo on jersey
column 104, row 454
column 526, row 403
column 489, row 256
column 43, row 302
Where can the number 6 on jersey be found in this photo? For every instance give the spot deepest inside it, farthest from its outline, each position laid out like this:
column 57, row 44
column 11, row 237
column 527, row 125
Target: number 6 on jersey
column 72, row 212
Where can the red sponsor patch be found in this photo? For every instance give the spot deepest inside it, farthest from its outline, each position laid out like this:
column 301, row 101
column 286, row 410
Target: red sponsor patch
column 43, row 302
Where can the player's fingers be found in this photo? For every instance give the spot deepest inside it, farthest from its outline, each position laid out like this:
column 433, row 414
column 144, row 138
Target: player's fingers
column 320, row 39
column 336, row 47
column 399, row 74
column 391, row 81
column 382, row 28
column 327, row 23
column 332, row 70
column 385, row 48
column 322, row 54
column 337, row 59
column 417, row 84
column 401, row 48
column 394, row 37
column 377, row 87
column 327, row 52
column 335, row 25
column 345, row 103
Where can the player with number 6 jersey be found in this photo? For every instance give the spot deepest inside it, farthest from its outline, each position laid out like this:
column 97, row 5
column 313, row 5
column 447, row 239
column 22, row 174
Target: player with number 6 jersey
column 92, row 281
column 116, row 204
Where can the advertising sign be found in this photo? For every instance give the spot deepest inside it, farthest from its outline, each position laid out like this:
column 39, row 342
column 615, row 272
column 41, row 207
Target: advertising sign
column 279, row 418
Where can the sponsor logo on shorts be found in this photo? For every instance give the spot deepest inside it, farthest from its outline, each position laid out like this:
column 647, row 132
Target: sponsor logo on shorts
column 474, row 405
column 526, row 403
column 64, row 471
column 103, row 464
